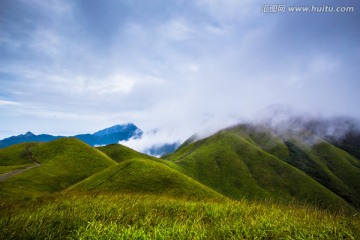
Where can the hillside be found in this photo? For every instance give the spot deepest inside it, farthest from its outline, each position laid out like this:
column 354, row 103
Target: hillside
column 249, row 162
column 145, row 176
column 85, row 215
column 62, row 163
column 305, row 150
column 247, row 181
column 255, row 162
column 16, row 155
column 120, row 153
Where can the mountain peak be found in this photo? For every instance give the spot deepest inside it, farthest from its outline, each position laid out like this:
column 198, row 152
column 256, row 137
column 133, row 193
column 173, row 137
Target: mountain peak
column 119, row 128
column 29, row 134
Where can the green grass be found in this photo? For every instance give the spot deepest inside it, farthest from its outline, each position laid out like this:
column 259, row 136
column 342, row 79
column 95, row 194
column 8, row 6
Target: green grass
column 238, row 168
column 145, row 176
column 132, row 216
column 343, row 165
column 120, row 153
column 6, row 169
column 310, row 162
column 283, row 190
column 16, row 154
column 64, row 162
column 262, row 137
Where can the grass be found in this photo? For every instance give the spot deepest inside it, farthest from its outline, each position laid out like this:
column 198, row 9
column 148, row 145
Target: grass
column 16, row 154
column 6, row 169
column 120, row 153
column 64, row 162
column 134, row 216
column 113, row 192
column 343, row 165
column 237, row 167
column 303, row 158
column 146, row 176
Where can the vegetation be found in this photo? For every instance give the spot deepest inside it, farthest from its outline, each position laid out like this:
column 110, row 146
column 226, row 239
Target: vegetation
column 145, row 176
column 138, row 216
column 5, row 169
column 343, row 165
column 237, row 167
column 305, row 160
column 18, row 154
column 64, row 162
column 120, row 153
column 243, row 182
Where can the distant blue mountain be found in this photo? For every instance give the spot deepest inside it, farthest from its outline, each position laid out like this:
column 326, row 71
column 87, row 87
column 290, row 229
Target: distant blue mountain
column 106, row 136
column 161, row 150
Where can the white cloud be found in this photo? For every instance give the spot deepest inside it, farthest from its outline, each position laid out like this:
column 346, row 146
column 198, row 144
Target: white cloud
column 230, row 11
column 177, row 30
column 151, row 138
column 8, row 103
column 47, row 42
column 58, row 7
column 201, row 65
column 113, row 84
column 321, row 64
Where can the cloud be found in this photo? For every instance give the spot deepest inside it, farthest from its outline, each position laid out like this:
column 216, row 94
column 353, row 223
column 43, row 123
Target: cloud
column 8, row 103
column 229, row 11
column 177, row 66
column 150, row 139
column 177, row 30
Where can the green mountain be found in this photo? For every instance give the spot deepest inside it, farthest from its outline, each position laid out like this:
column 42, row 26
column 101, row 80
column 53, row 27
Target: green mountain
column 60, row 164
column 253, row 162
column 120, row 153
column 334, row 168
column 145, row 176
column 16, row 155
column 253, row 181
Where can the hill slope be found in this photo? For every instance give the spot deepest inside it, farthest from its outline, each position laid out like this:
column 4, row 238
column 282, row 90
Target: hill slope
column 63, row 162
column 145, row 176
column 238, row 163
column 16, row 155
column 334, row 168
column 120, row 153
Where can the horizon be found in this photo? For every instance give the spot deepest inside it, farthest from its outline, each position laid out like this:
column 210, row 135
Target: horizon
column 72, row 67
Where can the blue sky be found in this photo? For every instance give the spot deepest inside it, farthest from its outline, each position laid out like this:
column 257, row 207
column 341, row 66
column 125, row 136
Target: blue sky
column 69, row 67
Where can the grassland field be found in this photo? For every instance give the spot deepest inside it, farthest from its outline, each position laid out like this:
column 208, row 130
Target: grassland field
column 98, row 215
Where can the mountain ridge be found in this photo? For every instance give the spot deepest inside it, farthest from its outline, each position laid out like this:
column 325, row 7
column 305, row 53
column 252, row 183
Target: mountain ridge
column 257, row 161
column 245, row 161
column 105, row 136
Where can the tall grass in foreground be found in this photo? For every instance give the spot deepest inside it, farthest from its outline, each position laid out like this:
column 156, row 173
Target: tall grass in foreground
column 106, row 216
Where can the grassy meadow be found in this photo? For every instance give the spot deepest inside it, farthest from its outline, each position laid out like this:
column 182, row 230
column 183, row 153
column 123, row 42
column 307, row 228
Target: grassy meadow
column 240, row 183
column 74, row 215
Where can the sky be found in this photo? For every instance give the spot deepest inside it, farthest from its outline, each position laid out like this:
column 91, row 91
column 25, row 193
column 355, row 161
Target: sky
column 78, row 66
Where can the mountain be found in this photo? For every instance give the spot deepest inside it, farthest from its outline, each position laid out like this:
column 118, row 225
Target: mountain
column 256, row 161
column 59, row 164
column 120, row 153
column 145, row 176
column 111, row 135
column 106, row 136
column 160, row 150
column 247, row 181
column 27, row 137
column 130, row 129
column 253, row 161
